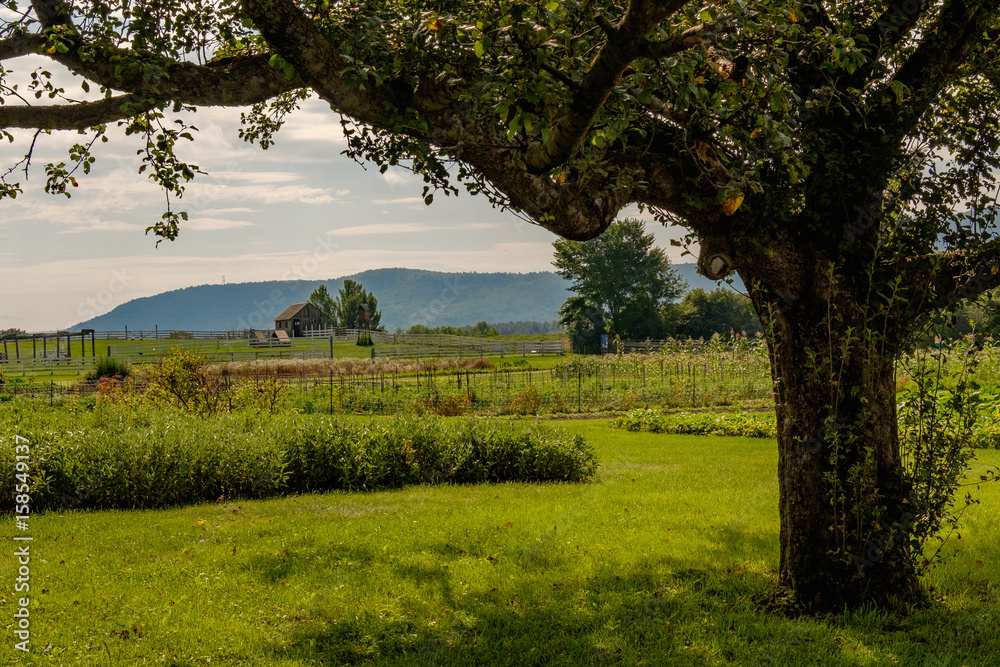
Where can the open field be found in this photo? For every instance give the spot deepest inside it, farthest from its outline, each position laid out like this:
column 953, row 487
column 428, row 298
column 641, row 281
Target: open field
column 666, row 559
column 689, row 376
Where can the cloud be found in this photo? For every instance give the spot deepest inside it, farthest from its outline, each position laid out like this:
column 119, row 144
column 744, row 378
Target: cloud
column 104, row 226
column 408, row 228
column 200, row 196
column 400, row 200
column 262, row 177
column 214, row 224
column 223, row 211
column 400, row 178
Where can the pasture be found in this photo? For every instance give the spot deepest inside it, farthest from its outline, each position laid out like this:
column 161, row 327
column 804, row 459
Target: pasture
column 667, row 557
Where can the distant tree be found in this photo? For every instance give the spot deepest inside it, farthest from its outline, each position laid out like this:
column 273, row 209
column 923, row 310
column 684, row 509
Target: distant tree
column 321, row 299
column 350, row 296
column 720, row 311
column 622, row 275
column 584, row 323
column 483, row 329
column 13, row 333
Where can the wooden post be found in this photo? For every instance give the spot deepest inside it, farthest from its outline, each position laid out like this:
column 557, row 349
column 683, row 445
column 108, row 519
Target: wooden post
column 45, row 346
column 34, row 351
column 17, row 349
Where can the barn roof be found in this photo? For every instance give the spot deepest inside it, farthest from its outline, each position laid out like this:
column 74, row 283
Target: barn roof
column 291, row 311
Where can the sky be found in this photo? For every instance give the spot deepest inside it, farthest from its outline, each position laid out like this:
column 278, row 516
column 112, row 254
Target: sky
column 299, row 210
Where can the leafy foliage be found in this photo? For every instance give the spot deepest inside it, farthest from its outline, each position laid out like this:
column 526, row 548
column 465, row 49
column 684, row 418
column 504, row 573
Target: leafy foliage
column 622, row 276
column 321, row 298
column 131, row 458
column 720, row 312
column 741, row 424
column 349, row 298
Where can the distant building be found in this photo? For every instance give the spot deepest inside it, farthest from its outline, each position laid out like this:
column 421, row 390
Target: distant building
column 265, row 338
column 301, row 317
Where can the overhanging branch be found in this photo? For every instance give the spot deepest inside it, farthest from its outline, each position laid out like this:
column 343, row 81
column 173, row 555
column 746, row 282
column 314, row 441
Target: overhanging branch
column 625, row 42
column 79, row 116
column 943, row 280
column 20, row 45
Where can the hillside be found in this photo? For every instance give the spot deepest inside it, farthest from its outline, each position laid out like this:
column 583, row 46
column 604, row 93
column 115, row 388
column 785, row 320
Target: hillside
column 405, row 296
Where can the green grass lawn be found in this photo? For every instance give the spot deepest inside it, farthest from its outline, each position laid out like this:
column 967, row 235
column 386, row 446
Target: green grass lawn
column 663, row 560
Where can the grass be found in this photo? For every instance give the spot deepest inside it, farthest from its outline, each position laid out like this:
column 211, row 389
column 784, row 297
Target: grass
column 661, row 561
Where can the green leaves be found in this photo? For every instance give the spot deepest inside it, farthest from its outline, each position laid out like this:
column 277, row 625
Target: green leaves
column 277, row 62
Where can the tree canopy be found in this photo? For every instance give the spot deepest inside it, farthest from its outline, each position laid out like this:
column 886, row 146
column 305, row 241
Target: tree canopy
column 842, row 157
column 623, row 276
column 320, row 297
column 350, row 296
column 703, row 314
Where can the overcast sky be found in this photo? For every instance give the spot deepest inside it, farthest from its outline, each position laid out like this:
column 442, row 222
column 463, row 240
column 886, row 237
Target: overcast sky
column 298, row 210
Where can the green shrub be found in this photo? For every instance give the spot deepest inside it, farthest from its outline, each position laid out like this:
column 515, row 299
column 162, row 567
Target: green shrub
column 145, row 458
column 744, row 424
column 109, row 367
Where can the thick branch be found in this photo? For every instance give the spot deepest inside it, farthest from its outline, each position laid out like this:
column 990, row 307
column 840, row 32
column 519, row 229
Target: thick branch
column 246, row 82
column 943, row 280
column 243, row 82
column 20, row 45
column 320, row 65
column 51, row 13
column 78, row 116
column 931, row 67
column 895, row 24
column 625, row 42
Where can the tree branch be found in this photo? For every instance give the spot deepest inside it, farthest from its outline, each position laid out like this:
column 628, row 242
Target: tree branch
column 942, row 280
column 320, row 65
column 625, row 42
column 79, row 116
column 930, row 68
column 20, row 45
column 247, row 81
column 894, row 24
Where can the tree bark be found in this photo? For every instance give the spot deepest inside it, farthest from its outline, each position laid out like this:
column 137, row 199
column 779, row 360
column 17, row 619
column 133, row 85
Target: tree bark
column 845, row 518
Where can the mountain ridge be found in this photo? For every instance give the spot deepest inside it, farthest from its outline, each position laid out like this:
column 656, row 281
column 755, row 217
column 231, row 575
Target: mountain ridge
column 405, row 297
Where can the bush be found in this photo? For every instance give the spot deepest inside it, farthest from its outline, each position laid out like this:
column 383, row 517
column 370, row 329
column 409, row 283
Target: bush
column 744, row 424
column 109, row 367
column 115, row 458
column 526, row 402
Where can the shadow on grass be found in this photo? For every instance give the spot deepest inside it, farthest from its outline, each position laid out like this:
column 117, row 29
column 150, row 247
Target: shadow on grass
column 667, row 613
column 663, row 612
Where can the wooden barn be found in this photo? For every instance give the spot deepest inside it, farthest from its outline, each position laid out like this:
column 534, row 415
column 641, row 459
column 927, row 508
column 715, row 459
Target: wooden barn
column 299, row 318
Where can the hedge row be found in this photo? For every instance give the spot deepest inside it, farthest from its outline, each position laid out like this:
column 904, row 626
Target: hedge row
column 112, row 459
column 745, row 424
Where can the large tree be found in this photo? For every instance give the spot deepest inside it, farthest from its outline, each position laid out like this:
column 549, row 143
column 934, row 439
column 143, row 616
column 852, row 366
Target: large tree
column 350, row 296
column 621, row 274
column 839, row 156
column 320, row 297
column 722, row 311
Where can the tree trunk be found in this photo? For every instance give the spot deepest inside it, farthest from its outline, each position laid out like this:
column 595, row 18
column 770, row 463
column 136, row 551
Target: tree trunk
column 842, row 489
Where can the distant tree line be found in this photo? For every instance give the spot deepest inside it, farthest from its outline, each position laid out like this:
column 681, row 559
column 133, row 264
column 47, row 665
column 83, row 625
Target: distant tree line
column 13, row 333
column 486, row 329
